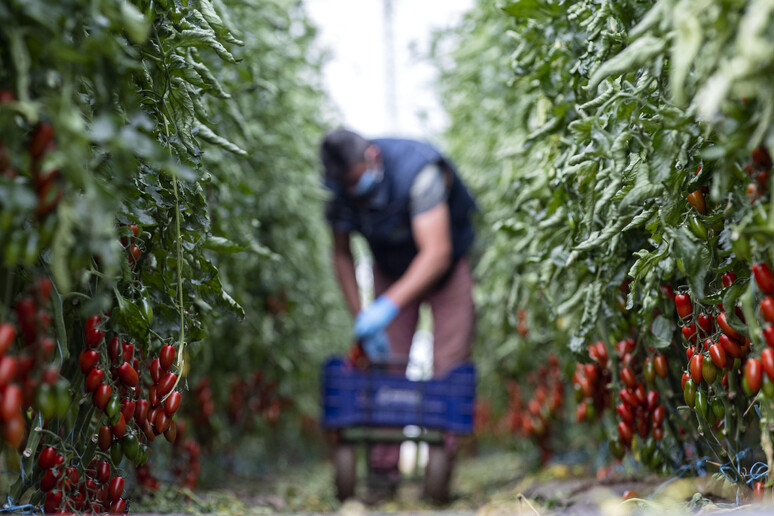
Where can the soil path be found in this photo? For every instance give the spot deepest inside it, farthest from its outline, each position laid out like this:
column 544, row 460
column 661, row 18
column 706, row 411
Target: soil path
column 489, row 485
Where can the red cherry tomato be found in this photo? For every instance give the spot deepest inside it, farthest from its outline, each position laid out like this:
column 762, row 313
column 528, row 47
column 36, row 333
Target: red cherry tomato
column 652, row 400
column 705, row 323
column 52, row 502
column 128, row 375
column 758, row 491
column 727, row 329
column 103, row 471
column 753, row 373
column 718, row 355
column 165, row 384
column 689, row 332
column 118, row 506
column 627, row 377
column 763, row 277
column 94, row 379
column 153, row 396
column 767, row 362
column 767, row 308
column 134, row 254
column 696, row 364
column 768, row 335
column 9, row 370
column 127, row 352
column 625, row 413
column 141, row 412
column 625, row 432
column 104, row 438
column 658, row 415
column 155, row 370
column 49, row 479
column 127, row 409
column 640, row 394
column 102, row 396
column 166, row 357
column 87, row 360
column 115, row 488
column 47, row 457
column 162, row 422
column 628, row 397
column 683, row 305
column 728, row 279
column 7, row 336
column 696, row 199
column 11, row 403
column 662, row 368
column 114, row 349
column 172, row 403
column 730, row 345
column 602, row 352
column 119, row 429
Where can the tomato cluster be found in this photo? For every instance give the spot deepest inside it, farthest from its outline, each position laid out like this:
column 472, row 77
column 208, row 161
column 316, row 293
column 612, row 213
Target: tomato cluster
column 639, row 410
column 714, row 347
column 258, row 396
column 723, row 374
column 134, row 404
column 590, row 382
column 28, row 375
column 759, row 169
column 357, row 357
column 135, row 411
column 69, row 488
column 44, row 178
column 205, row 401
column 145, row 477
column 133, row 251
column 543, row 408
column 187, row 465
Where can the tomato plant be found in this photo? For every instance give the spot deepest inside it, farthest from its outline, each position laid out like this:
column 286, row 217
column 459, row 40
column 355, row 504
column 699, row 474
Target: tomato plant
column 128, row 228
column 596, row 239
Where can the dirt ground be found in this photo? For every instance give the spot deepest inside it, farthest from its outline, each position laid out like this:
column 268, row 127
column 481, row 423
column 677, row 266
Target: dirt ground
column 493, row 484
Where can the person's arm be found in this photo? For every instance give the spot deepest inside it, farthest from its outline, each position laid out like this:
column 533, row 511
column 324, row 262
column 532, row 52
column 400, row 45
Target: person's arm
column 344, row 264
column 432, row 235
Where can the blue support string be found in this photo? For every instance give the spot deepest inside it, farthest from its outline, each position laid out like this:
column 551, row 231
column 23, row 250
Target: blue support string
column 10, row 507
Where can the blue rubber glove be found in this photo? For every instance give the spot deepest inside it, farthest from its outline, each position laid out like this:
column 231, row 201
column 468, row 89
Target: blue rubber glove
column 377, row 346
column 375, row 317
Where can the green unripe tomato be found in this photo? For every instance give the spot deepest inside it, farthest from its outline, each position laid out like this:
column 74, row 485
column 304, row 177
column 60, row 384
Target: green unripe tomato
column 689, row 393
column 709, row 371
column 701, row 403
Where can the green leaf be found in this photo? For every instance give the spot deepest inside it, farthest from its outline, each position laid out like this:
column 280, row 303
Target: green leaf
column 662, row 329
column 129, row 317
column 137, row 27
column 531, row 9
column 695, row 258
column 636, row 54
column 222, row 245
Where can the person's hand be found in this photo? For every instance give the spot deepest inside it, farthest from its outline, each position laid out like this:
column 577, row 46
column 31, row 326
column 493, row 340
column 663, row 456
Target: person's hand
column 376, row 346
column 375, row 317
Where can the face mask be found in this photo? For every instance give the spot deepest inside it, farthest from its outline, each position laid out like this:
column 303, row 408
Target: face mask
column 367, row 182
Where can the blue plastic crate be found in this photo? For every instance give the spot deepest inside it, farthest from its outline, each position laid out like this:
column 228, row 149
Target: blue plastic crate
column 352, row 397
